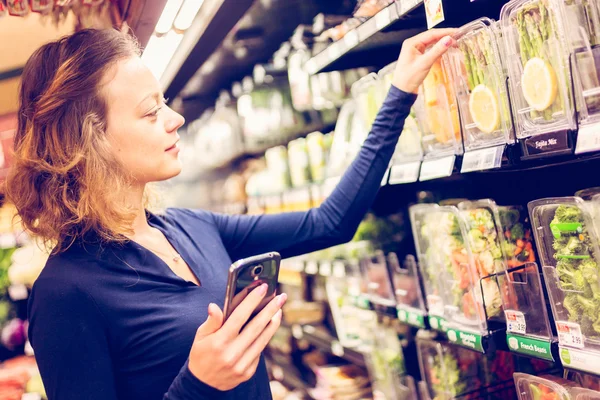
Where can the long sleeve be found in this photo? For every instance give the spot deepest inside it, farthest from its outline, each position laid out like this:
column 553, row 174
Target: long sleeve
column 68, row 333
column 337, row 219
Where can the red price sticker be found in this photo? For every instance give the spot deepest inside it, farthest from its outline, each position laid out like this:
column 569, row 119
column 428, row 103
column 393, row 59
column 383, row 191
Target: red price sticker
column 569, row 334
column 515, row 322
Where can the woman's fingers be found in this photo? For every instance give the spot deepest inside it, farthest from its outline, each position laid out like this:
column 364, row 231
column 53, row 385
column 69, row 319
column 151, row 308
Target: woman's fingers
column 255, row 349
column 436, row 51
column 424, row 39
column 261, row 320
column 243, row 311
column 212, row 324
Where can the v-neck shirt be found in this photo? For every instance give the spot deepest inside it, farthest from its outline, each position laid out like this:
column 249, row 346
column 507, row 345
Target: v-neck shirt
column 113, row 321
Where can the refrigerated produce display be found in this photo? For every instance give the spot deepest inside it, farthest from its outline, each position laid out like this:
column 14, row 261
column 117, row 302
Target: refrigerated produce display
column 475, row 273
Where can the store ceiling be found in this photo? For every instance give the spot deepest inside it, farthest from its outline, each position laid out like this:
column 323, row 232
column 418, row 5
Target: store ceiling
column 252, row 39
column 26, row 35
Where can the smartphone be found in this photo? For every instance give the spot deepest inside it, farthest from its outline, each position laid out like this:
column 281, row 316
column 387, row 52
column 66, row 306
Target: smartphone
column 246, row 275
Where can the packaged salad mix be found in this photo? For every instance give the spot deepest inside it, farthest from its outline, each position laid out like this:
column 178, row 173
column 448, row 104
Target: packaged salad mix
column 568, row 248
column 538, row 69
column 479, row 81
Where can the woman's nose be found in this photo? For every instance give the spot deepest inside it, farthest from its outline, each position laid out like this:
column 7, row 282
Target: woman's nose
column 174, row 121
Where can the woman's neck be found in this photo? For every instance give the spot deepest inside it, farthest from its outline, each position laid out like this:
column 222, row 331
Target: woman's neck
column 135, row 200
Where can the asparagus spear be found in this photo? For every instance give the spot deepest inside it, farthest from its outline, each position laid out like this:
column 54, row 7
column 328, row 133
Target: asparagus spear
column 534, row 36
column 467, row 61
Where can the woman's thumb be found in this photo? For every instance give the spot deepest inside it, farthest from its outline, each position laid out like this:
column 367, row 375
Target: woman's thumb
column 213, row 322
column 436, row 51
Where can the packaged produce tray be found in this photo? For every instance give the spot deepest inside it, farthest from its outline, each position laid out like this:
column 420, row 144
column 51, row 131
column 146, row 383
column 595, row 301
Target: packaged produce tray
column 479, row 81
column 538, row 69
column 568, row 248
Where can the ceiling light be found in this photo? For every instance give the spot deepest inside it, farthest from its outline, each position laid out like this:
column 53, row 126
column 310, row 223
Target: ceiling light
column 186, row 14
column 165, row 22
column 160, row 50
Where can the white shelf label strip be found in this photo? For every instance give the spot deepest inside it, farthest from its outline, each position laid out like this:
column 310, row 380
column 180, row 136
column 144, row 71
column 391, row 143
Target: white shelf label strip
column 405, row 173
column 437, row 168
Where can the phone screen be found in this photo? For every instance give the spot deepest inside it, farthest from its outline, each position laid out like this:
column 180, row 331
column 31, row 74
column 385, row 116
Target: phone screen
column 250, row 276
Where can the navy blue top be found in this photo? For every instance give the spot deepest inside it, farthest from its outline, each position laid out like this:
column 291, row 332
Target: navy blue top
column 115, row 322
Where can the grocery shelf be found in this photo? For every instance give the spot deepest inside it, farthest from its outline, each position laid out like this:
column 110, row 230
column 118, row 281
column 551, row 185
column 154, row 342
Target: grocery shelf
column 364, row 37
column 321, row 339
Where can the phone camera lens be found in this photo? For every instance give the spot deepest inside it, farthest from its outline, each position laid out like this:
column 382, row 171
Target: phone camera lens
column 257, row 270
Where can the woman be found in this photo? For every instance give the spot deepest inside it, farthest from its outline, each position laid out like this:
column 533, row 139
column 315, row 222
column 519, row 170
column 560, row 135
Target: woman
column 129, row 303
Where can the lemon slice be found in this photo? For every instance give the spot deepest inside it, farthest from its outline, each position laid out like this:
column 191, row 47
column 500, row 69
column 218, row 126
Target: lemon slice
column 484, row 109
column 539, row 84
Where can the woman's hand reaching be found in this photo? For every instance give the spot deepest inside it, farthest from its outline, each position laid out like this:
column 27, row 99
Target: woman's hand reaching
column 223, row 354
column 414, row 63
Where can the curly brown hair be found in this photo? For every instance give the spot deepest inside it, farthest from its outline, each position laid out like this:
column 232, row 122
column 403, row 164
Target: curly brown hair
column 65, row 182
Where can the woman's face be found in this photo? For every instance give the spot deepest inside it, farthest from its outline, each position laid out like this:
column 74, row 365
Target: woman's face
column 141, row 128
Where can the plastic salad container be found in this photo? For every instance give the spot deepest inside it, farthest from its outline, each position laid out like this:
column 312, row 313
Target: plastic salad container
column 452, row 372
column 582, row 25
column 377, row 277
column 407, row 288
column 480, row 84
column 537, row 63
column 385, row 361
column 547, row 387
column 428, row 241
column 437, row 112
column 485, row 242
column 341, row 300
column 409, row 145
column 568, row 249
column 339, row 153
column 366, row 94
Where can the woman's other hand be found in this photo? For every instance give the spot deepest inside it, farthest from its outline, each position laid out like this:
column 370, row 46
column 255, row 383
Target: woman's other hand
column 223, row 354
column 414, row 63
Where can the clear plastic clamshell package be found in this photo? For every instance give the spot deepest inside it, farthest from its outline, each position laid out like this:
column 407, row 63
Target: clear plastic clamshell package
column 568, row 249
column 385, row 362
column 429, row 241
column 366, row 94
column 451, row 372
column 407, row 288
column 582, row 25
column 479, row 82
column 339, row 154
column 521, row 288
column 378, row 280
column 409, row 145
column 437, row 113
column 341, row 296
column 546, row 387
column 538, row 67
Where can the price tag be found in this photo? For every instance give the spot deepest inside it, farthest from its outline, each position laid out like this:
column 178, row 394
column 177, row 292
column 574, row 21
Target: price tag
column 311, row 267
column 17, row 292
column 515, row 322
column 325, row 268
column 437, row 168
column 383, row 18
column 435, row 305
column 297, row 332
column 337, row 349
column 588, row 139
column 569, row 334
column 434, row 10
column 405, row 173
column 351, row 39
column 482, row 159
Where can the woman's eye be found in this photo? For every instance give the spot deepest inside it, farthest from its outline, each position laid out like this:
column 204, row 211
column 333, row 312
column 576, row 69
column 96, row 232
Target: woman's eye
column 155, row 112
